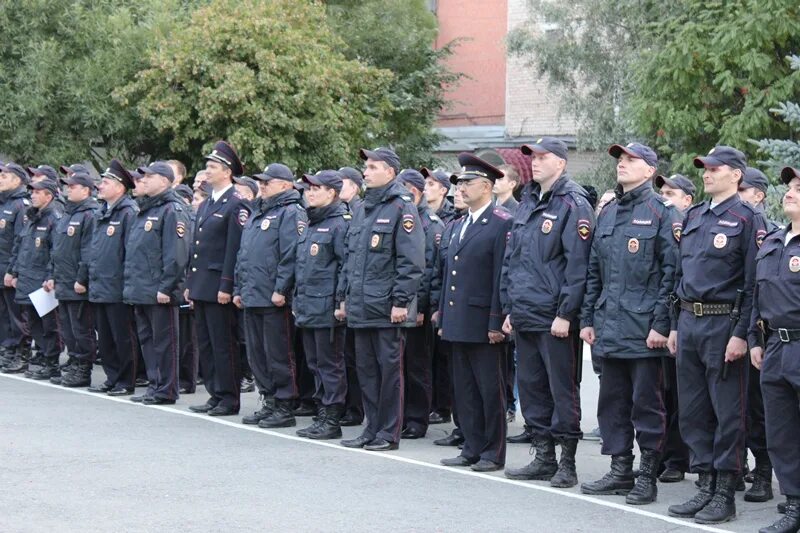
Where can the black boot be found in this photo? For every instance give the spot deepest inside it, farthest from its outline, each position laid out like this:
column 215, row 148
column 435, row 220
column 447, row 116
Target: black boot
column 790, row 522
column 645, row 490
column 329, row 427
column 16, row 365
column 544, row 465
column 619, row 480
column 566, row 476
column 281, row 417
column 318, row 419
column 706, row 484
column 722, row 507
column 265, row 411
column 48, row 369
column 305, row 408
column 781, row 507
column 761, row 489
column 81, row 375
column 523, row 438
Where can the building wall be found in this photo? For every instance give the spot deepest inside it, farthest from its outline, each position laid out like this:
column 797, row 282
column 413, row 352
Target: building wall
column 482, row 24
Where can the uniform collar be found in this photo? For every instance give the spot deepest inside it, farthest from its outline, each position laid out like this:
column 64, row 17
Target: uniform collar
column 216, row 195
column 724, row 205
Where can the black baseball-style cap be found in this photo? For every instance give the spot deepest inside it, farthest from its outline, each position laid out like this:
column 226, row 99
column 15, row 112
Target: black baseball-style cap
column 676, row 181
column 637, row 150
column 17, row 170
column 44, row 170
column 79, row 178
column 275, row 171
column 546, row 145
column 754, row 178
column 325, row 178
column 439, row 175
column 248, row 182
column 386, row 155
column 413, row 178
column 73, row 168
column 46, row 185
column 788, row 174
column 473, row 167
column 723, row 155
column 353, row 175
column 161, row 168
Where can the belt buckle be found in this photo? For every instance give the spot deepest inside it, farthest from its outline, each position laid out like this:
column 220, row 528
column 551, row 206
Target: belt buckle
column 783, row 334
column 697, row 309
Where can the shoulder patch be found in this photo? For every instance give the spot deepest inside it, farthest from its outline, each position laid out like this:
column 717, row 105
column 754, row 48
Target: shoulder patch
column 501, row 213
column 433, row 217
column 242, row 217
column 584, row 229
column 408, row 223
column 406, row 197
column 301, row 227
column 347, row 216
column 677, row 230
column 180, row 229
column 25, row 201
column 760, row 234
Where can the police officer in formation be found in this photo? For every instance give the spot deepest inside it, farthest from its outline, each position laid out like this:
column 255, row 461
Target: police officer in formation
column 774, row 340
column 625, row 317
column 114, row 319
column 31, row 269
column 265, row 280
column 716, row 272
column 470, row 317
column 72, row 242
column 386, row 260
column 14, row 202
column 209, row 281
column 319, row 289
column 156, row 255
column 544, row 279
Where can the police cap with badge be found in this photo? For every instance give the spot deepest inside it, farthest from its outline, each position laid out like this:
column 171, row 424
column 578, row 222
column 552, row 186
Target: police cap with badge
column 45, row 185
column 118, row 173
column 387, row 155
column 439, row 175
column 677, row 182
column 44, row 170
column 275, row 171
column 17, row 170
column 162, row 168
column 473, row 167
column 635, row 150
column 723, row 155
column 409, row 176
column 325, row 178
column 248, row 182
column 224, row 153
column 353, row 175
column 82, row 179
column 754, row 179
column 546, row 145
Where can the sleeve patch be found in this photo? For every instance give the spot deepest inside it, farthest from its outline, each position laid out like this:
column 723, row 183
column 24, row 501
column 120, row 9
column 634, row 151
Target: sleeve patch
column 760, row 234
column 584, row 229
column 180, row 229
column 408, row 223
column 244, row 214
column 677, row 230
column 301, row 227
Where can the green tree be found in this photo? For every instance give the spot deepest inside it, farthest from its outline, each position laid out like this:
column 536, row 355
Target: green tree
column 60, row 61
column 267, row 77
column 399, row 36
column 712, row 71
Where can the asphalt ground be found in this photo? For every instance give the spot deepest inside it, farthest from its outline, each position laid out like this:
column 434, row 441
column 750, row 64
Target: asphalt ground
column 75, row 461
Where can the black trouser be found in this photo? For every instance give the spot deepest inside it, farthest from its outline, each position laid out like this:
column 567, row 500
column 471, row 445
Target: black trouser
column 215, row 327
column 511, row 375
column 324, row 350
column 418, row 363
column 306, row 383
column 756, row 439
column 354, row 405
column 442, row 400
column 116, row 343
column 780, row 385
column 44, row 331
column 480, row 396
column 676, row 454
column 631, row 403
column 10, row 320
column 379, row 359
column 76, row 325
column 158, row 337
column 270, row 341
column 187, row 348
column 713, row 412
column 549, row 392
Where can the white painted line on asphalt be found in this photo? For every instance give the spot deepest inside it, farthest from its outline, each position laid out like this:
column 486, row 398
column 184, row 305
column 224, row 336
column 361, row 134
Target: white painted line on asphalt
column 382, row 455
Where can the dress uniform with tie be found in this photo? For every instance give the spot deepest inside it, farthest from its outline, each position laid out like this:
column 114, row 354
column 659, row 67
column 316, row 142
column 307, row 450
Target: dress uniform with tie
column 217, row 236
column 469, row 311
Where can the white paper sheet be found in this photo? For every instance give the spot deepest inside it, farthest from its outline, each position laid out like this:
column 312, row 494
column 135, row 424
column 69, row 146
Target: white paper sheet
column 43, row 301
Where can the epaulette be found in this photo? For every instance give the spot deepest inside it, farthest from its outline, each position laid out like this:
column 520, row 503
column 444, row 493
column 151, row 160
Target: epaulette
column 502, row 213
column 347, row 216
column 25, row 201
column 406, row 197
column 300, row 208
column 434, row 217
column 237, row 195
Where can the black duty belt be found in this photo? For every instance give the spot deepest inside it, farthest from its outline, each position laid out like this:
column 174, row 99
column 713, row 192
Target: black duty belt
column 786, row 335
column 701, row 309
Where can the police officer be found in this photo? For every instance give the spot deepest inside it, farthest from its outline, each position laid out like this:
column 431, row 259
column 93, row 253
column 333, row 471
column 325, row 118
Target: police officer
column 352, row 184
column 188, row 359
column 319, row 289
column 719, row 241
column 114, row 320
column 31, row 267
column 504, row 188
column 72, row 242
column 156, row 254
column 265, row 277
column 386, row 260
column 209, row 281
column 437, row 185
column 625, row 317
column 470, row 317
column 544, row 279
column 774, row 341
column 418, row 357
column 753, row 190
column 680, row 191
column 443, row 360
column 14, row 201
